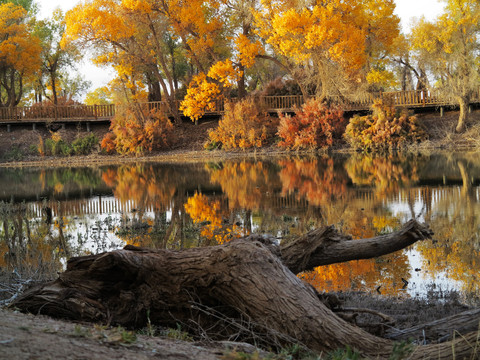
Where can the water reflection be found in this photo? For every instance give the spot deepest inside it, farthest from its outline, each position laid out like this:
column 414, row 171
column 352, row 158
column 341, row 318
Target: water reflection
column 180, row 206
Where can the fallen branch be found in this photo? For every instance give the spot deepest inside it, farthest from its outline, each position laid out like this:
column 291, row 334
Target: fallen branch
column 241, row 279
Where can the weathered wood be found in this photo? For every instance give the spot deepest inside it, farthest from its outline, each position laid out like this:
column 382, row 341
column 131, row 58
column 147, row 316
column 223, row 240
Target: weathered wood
column 243, row 279
column 326, row 246
column 439, row 330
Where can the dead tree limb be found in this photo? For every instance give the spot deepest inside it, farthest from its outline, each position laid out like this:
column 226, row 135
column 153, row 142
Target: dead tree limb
column 440, row 330
column 244, row 278
column 326, row 246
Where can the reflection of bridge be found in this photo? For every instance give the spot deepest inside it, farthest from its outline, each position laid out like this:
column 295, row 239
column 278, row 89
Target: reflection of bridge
column 93, row 113
column 367, row 196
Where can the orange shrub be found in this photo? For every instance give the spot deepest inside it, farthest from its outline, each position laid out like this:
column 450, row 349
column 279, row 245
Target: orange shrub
column 384, row 129
column 243, row 125
column 136, row 131
column 315, row 125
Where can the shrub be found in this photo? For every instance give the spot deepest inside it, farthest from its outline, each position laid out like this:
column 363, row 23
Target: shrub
column 279, row 87
column 384, row 129
column 315, row 125
column 58, row 147
column 243, row 125
column 84, row 145
column 136, row 131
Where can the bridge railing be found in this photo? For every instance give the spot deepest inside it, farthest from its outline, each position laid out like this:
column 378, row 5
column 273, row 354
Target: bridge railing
column 63, row 112
column 411, row 99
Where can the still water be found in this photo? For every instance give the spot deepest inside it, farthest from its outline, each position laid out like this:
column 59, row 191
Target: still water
column 49, row 215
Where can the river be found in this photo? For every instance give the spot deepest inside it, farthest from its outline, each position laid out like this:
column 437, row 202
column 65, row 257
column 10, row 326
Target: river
column 49, row 215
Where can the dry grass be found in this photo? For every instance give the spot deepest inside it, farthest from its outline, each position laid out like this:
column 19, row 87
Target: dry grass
column 441, row 131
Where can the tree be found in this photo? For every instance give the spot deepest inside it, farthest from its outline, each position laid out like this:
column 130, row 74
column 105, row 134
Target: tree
column 55, row 58
column 99, row 96
column 449, row 47
column 219, row 289
column 29, row 5
column 132, row 37
column 332, row 47
column 19, row 54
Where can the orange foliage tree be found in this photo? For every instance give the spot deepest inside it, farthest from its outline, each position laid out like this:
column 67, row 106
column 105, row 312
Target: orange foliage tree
column 137, row 130
column 448, row 46
column 384, row 129
column 315, row 125
column 243, row 125
column 19, row 53
column 132, row 37
column 330, row 47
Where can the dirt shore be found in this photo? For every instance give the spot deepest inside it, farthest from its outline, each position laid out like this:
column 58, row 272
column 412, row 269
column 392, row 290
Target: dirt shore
column 25, row 336
column 18, row 147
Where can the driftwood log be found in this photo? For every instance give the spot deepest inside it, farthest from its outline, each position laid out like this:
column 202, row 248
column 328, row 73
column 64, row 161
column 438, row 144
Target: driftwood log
column 245, row 285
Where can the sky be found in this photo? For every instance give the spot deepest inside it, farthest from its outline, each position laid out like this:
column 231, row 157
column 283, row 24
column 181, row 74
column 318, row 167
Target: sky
column 405, row 9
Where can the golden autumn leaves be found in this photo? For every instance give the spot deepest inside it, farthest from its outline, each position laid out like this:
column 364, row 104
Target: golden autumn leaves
column 344, row 39
column 19, row 53
column 223, row 39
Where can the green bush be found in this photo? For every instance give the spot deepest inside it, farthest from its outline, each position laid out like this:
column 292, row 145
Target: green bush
column 57, row 148
column 81, row 146
column 384, row 129
column 85, row 145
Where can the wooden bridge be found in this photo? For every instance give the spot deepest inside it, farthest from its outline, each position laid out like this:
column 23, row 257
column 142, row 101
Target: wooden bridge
column 102, row 113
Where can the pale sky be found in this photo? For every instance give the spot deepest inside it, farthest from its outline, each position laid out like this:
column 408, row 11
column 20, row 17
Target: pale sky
column 405, row 9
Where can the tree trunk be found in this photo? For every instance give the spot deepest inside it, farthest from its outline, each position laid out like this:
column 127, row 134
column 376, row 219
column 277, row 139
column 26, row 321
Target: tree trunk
column 221, row 288
column 463, row 117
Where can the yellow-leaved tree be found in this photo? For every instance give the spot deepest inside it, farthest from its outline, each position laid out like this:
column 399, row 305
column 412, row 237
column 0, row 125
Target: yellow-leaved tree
column 19, row 54
column 449, row 47
column 333, row 47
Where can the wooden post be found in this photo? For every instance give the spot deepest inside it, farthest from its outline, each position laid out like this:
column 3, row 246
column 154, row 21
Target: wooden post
column 9, row 128
column 34, row 126
column 88, row 126
column 441, row 111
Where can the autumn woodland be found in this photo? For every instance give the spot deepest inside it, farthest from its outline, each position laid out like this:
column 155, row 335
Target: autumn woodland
column 193, row 54
column 235, row 248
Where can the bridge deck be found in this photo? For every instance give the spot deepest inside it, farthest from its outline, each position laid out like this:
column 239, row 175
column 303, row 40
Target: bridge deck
column 102, row 113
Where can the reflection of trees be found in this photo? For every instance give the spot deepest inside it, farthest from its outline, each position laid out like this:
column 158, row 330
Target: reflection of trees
column 208, row 215
column 141, row 184
column 30, row 248
column 245, row 183
column 149, row 188
column 455, row 219
column 318, row 180
column 384, row 274
column 387, row 174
